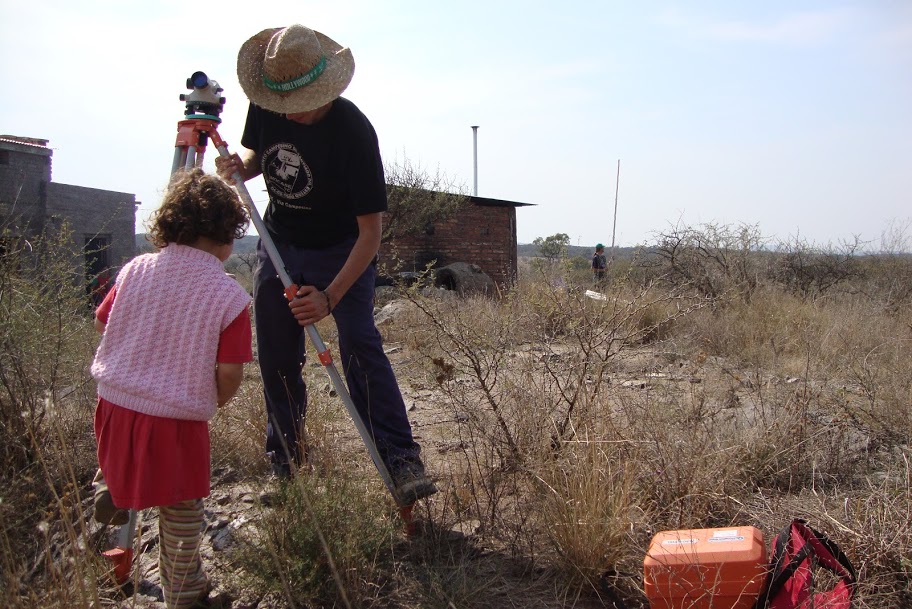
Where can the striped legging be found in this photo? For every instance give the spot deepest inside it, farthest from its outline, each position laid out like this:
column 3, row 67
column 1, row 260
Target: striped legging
column 181, row 568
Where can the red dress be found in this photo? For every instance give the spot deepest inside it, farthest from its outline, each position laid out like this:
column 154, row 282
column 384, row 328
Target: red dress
column 149, row 461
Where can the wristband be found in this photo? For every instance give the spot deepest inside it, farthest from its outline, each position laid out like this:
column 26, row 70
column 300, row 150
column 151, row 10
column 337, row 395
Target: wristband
column 329, row 304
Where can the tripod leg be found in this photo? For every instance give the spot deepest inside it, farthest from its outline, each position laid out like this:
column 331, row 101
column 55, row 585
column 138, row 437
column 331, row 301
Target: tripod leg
column 121, row 556
column 190, row 159
column 178, row 159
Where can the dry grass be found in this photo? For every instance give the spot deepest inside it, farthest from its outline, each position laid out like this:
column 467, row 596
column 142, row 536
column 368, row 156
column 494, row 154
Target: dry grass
column 587, row 508
column 567, row 431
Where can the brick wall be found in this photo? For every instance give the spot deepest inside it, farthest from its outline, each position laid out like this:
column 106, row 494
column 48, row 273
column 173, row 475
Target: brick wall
column 484, row 235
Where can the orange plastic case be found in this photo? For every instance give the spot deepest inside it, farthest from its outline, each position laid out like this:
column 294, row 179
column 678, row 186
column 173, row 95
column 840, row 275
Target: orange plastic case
column 705, row 568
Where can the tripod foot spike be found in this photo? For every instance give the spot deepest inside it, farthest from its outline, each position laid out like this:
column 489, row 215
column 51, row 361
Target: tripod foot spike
column 122, row 559
column 408, row 520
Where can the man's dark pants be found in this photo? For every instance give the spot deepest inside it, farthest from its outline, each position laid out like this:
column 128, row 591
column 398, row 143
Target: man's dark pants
column 280, row 351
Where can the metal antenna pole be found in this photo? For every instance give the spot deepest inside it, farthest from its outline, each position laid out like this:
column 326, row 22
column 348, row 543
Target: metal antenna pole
column 475, row 155
column 614, row 223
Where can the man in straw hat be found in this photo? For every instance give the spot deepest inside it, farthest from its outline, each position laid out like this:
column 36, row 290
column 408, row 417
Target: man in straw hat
column 320, row 159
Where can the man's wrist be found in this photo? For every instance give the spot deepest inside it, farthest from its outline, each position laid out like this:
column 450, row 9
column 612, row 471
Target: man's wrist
column 329, row 302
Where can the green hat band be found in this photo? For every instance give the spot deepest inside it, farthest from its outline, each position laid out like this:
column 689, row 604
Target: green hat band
column 296, row 83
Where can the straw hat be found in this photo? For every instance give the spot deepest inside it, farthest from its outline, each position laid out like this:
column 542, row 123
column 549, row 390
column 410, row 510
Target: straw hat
column 293, row 69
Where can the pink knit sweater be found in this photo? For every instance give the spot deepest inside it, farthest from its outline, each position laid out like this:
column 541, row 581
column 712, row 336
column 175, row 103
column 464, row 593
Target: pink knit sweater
column 158, row 352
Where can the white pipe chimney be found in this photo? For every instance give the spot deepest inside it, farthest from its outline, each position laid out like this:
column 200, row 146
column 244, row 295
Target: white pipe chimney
column 475, row 154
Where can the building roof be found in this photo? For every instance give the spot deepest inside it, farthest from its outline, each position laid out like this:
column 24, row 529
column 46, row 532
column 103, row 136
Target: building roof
column 486, row 202
column 24, row 141
column 25, row 145
column 481, row 201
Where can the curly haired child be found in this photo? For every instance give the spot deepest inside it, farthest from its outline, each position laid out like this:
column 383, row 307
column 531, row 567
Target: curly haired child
column 176, row 337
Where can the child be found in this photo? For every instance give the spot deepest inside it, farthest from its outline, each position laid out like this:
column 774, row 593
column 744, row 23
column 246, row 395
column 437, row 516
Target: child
column 176, row 337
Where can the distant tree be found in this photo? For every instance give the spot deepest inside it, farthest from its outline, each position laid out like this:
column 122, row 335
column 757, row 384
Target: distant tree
column 143, row 245
column 810, row 271
column 417, row 199
column 713, row 258
column 244, row 262
column 889, row 272
column 579, row 263
column 553, row 248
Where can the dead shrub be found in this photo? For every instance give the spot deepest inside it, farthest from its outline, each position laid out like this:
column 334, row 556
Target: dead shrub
column 810, row 271
column 46, row 406
column 711, row 258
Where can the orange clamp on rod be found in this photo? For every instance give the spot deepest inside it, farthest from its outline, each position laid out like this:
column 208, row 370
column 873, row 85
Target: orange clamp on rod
column 122, row 562
column 325, row 357
column 290, row 292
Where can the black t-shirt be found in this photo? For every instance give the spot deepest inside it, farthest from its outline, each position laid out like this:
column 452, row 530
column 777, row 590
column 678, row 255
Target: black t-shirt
column 319, row 177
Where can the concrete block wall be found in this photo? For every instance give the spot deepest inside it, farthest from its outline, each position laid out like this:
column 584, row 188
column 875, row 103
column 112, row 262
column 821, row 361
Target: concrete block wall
column 30, row 203
column 25, row 171
column 91, row 212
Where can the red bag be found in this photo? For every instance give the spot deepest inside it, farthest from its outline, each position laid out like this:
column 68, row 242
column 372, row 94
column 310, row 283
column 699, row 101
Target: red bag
column 797, row 553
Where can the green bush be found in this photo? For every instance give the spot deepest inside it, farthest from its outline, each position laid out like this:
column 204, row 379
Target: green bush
column 323, row 541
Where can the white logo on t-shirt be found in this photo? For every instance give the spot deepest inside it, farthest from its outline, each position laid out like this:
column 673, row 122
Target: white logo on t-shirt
column 286, row 174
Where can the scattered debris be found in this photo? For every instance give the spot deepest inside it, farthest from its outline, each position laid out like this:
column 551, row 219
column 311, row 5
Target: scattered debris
column 449, row 446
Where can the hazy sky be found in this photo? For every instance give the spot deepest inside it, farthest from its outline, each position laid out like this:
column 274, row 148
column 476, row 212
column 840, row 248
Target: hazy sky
column 795, row 116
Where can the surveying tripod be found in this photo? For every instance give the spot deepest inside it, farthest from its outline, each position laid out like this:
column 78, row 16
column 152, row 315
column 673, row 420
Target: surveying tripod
column 200, row 124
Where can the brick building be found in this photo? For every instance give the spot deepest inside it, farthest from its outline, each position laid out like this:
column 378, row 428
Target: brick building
column 482, row 233
column 102, row 222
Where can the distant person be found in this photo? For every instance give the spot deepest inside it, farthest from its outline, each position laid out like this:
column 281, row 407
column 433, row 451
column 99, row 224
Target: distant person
column 176, row 337
column 599, row 264
column 320, row 159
